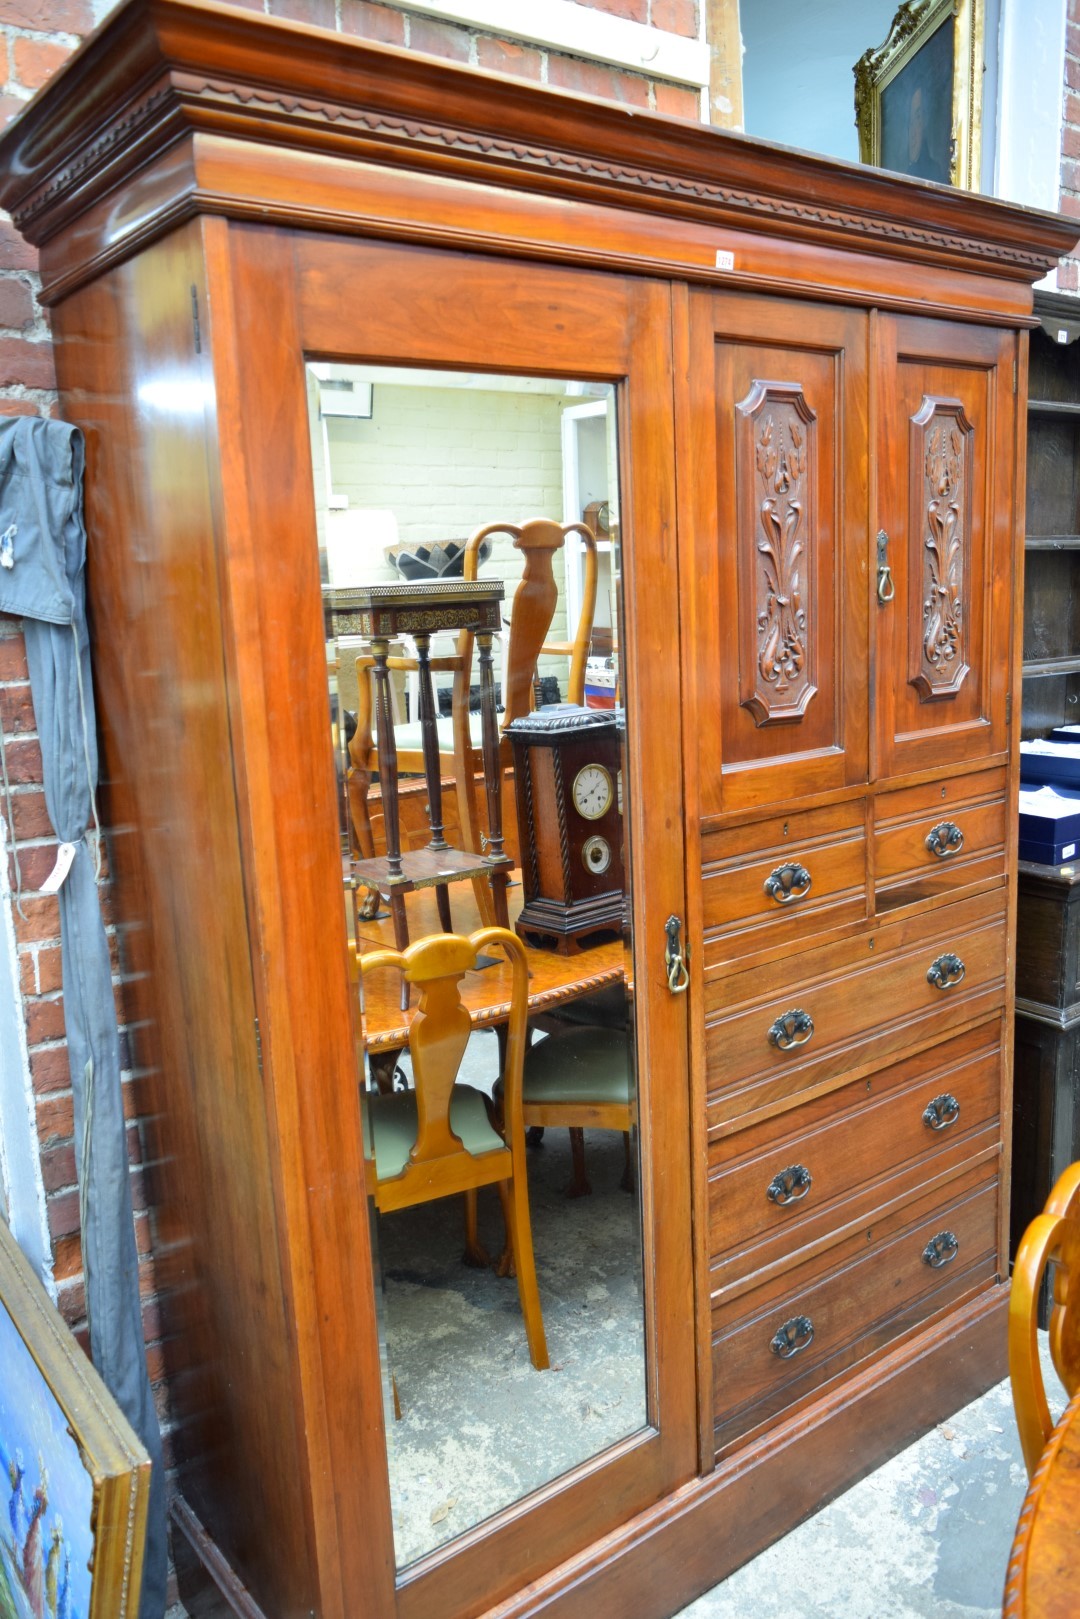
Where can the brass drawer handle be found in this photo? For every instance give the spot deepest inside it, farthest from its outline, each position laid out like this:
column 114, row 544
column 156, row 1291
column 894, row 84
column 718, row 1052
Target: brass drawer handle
column 790, row 1185
column 791, row 1029
column 941, row 1250
column 788, row 883
column 792, row 1336
column 946, row 971
column 944, row 839
column 941, row 1112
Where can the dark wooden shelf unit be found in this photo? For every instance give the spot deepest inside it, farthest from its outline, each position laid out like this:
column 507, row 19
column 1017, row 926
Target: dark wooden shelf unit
column 1046, row 1083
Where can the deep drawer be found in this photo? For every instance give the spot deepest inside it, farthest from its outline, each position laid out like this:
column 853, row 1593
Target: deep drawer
column 778, row 878
column 837, row 1309
column 849, row 1005
column 789, row 1183
column 939, row 838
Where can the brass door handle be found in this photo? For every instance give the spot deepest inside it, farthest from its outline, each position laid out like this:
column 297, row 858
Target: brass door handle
column 944, row 839
column 788, row 883
column 886, row 590
column 945, row 972
column 678, row 975
column 791, row 1029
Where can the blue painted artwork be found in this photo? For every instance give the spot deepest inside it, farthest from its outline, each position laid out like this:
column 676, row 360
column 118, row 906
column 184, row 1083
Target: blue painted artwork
column 46, row 1496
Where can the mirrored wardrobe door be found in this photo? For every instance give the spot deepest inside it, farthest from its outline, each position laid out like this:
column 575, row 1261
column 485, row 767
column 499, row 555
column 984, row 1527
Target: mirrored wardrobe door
column 486, row 488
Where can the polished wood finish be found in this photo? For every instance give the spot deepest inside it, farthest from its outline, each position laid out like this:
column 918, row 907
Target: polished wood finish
column 219, row 196
column 1052, row 1239
column 1040, row 1582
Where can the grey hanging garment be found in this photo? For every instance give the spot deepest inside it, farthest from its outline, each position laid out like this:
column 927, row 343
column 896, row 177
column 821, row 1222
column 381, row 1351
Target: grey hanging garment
column 42, row 560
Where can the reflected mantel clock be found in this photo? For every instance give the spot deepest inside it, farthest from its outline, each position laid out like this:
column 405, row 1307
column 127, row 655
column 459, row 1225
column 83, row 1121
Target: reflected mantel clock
column 567, row 764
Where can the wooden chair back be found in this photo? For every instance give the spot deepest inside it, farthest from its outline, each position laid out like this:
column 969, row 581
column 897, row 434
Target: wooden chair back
column 1053, row 1237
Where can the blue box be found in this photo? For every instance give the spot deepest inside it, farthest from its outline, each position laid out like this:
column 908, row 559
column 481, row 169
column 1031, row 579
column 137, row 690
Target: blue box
column 1049, row 825
column 1055, row 762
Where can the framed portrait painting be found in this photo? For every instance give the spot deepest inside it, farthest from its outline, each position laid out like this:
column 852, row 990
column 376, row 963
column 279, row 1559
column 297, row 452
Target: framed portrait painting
column 74, row 1478
column 918, row 97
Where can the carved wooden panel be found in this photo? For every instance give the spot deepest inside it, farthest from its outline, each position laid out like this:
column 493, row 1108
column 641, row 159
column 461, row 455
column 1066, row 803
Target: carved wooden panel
column 941, row 438
column 776, row 474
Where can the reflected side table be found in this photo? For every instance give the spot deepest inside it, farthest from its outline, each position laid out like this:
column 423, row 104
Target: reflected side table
column 383, row 613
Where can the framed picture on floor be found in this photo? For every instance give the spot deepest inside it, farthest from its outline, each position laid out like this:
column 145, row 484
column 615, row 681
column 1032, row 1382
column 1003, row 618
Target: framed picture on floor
column 74, row 1478
column 918, row 97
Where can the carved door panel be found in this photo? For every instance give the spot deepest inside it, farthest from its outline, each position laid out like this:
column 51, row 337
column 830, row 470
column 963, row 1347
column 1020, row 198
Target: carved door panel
column 779, row 399
column 945, row 427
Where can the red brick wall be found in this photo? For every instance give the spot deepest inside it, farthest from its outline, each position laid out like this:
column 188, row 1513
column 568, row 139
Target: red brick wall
column 1069, row 268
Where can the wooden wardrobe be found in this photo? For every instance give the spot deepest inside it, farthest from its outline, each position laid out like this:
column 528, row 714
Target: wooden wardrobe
column 821, row 376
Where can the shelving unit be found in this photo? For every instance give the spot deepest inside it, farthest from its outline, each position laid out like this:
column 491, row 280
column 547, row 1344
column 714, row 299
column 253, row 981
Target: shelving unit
column 1046, row 1107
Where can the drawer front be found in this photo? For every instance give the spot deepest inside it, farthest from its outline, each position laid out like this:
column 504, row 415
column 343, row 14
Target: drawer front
column 927, row 843
column 779, row 1344
column 804, row 872
column 850, row 1008
column 841, row 1158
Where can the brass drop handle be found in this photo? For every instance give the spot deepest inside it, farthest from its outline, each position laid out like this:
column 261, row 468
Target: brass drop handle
column 941, row 1112
column 791, row 1029
column 945, row 972
column 886, row 590
column 678, row 976
column 790, row 1185
column 788, row 883
column 794, row 1335
column 941, row 1250
column 944, row 839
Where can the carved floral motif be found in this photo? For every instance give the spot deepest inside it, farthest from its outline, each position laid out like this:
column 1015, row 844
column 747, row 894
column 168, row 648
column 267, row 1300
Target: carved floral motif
column 778, row 585
column 945, row 543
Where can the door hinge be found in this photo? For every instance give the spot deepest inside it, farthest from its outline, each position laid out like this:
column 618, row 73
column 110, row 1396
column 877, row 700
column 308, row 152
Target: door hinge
column 1008, row 709
column 258, row 1047
column 1015, row 370
column 195, row 319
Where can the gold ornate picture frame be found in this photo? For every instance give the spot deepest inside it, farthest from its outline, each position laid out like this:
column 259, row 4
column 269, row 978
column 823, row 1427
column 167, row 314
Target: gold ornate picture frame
column 74, row 1478
column 918, row 97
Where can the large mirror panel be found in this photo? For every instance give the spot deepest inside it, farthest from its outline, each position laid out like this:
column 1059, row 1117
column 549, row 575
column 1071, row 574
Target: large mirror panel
column 469, row 542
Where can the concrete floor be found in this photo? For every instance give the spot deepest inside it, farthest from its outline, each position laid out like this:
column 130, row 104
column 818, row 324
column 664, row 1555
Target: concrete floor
column 925, row 1537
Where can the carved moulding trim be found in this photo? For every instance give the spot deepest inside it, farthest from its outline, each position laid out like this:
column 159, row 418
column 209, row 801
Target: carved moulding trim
column 776, row 478
column 191, row 96
column 941, row 464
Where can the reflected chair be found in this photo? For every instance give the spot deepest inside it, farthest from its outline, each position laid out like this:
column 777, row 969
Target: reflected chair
column 531, row 614
column 438, row 1139
column 581, row 1079
column 1052, row 1238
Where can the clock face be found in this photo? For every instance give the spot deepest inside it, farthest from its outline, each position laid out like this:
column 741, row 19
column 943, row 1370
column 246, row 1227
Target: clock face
column 593, row 792
column 596, row 854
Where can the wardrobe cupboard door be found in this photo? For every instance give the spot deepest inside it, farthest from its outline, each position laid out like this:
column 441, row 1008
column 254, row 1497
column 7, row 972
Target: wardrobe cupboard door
column 945, row 426
column 779, row 396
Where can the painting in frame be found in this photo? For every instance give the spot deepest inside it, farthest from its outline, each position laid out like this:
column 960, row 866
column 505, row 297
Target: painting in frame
column 74, row 1477
column 918, row 96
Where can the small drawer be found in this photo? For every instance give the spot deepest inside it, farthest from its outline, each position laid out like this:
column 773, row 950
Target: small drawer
column 842, row 1158
column 774, row 1347
column 782, row 877
column 939, row 838
column 854, row 1004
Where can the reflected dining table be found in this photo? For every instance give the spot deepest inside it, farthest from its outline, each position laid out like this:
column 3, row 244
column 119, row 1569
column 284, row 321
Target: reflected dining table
column 1043, row 1579
column 554, row 979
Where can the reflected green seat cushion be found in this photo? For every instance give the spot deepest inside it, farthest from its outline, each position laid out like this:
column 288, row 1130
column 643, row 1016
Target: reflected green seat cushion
column 393, row 1120
column 583, row 1065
